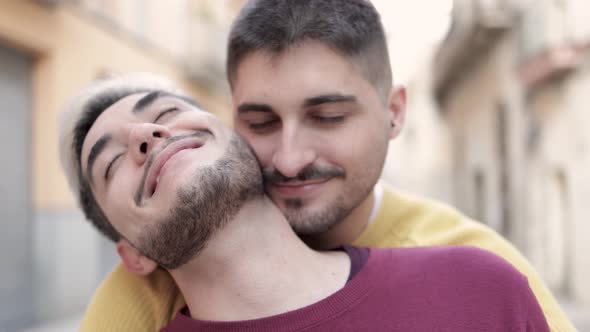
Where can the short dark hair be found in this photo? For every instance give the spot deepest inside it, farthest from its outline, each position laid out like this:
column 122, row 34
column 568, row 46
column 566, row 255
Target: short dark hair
column 351, row 28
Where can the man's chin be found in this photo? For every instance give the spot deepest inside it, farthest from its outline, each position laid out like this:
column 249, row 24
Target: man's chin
column 309, row 220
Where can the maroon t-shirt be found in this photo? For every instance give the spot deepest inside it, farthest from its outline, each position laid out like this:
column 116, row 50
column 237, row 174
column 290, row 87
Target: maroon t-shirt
column 409, row 289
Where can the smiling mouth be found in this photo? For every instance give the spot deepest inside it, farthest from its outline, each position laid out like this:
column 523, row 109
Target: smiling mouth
column 295, row 183
column 156, row 162
column 295, row 189
column 163, row 157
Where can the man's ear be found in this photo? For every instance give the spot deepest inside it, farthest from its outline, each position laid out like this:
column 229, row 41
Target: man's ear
column 133, row 260
column 396, row 106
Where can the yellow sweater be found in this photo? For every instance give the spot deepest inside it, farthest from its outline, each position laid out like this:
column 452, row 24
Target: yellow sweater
column 126, row 302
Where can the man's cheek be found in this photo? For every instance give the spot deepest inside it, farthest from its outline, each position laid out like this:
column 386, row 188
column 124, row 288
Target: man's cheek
column 262, row 151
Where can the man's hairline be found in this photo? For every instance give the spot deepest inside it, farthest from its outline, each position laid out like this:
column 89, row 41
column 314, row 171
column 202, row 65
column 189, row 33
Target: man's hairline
column 273, row 56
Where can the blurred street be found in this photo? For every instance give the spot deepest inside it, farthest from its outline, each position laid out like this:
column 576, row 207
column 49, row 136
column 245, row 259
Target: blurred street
column 69, row 324
column 580, row 315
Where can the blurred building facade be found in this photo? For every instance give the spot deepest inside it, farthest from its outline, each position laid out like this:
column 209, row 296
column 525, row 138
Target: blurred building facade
column 52, row 260
column 512, row 80
column 418, row 161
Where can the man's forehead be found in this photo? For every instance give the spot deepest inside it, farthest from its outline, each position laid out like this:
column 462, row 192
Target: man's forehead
column 153, row 97
column 136, row 103
column 263, row 76
column 122, row 107
column 132, row 106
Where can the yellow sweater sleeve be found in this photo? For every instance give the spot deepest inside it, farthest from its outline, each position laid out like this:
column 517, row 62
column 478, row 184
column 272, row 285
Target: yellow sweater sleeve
column 404, row 221
column 130, row 303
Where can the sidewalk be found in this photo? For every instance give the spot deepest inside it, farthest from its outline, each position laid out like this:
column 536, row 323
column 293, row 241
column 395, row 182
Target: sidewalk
column 579, row 315
column 70, row 324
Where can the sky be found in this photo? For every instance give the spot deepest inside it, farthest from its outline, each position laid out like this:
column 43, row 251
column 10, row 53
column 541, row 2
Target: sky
column 413, row 28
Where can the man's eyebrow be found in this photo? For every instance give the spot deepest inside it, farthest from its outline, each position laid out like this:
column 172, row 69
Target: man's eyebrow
column 95, row 151
column 151, row 98
column 146, row 101
column 329, row 98
column 254, row 107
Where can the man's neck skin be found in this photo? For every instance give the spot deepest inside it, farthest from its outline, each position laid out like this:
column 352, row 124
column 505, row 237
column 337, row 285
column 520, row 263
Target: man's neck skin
column 347, row 231
column 257, row 267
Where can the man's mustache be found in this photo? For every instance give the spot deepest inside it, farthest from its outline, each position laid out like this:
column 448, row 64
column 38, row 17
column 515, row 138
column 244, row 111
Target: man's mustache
column 311, row 172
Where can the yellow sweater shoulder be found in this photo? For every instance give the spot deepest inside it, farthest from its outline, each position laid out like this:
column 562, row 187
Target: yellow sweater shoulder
column 131, row 303
column 406, row 221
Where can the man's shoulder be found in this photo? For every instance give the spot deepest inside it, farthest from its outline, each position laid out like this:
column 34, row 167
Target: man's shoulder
column 405, row 220
column 396, row 202
column 138, row 303
column 410, row 221
column 445, row 257
column 450, row 279
column 454, row 266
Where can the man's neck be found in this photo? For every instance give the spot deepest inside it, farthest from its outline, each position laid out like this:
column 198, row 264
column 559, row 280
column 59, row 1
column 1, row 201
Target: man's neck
column 346, row 231
column 257, row 267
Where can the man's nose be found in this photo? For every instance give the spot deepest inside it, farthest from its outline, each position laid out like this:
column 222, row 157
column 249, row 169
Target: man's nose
column 143, row 137
column 292, row 155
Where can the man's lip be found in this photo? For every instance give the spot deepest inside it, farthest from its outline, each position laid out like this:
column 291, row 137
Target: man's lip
column 163, row 157
column 297, row 188
column 299, row 183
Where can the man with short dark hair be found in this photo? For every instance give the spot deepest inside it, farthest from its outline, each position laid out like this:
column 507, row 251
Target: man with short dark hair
column 314, row 97
column 177, row 189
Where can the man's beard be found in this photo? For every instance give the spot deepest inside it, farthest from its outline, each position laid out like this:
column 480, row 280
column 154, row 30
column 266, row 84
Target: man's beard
column 307, row 221
column 210, row 200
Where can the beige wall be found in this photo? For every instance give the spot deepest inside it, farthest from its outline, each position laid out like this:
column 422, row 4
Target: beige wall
column 70, row 50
